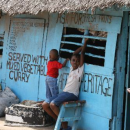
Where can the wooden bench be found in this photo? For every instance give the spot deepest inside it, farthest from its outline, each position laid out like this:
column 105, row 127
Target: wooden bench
column 73, row 108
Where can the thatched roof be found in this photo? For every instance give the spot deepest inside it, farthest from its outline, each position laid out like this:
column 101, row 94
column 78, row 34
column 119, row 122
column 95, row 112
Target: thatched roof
column 34, row 6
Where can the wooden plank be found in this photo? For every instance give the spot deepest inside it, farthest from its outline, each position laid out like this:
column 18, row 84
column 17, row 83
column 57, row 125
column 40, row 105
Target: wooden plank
column 2, row 40
column 70, row 119
column 96, row 47
column 88, row 54
column 3, row 25
column 52, row 41
column 41, row 89
column 61, row 115
column 73, row 43
column 97, row 89
column 73, row 105
column 127, row 97
column 95, row 56
column 4, row 29
column 75, row 102
column 129, row 22
column 91, row 22
column 91, row 68
column 32, row 31
column 113, row 125
column 78, row 112
column 110, row 50
column 82, row 36
column 92, row 122
column 120, row 65
column 98, row 69
column 79, row 44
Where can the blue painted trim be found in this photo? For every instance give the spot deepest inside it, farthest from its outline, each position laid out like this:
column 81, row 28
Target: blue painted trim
column 74, row 105
column 66, row 50
column 96, row 56
column 73, row 43
column 127, row 85
column 70, row 119
column 120, row 65
column 89, row 54
column 1, row 40
column 101, row 48
column 81, row 36
column 120, row 78
column 1, row 35
column 110, row 49
column 79, row 44
column 61, row 114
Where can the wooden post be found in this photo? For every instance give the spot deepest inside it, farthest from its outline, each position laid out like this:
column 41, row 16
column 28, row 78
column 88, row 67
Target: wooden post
column 120, row 65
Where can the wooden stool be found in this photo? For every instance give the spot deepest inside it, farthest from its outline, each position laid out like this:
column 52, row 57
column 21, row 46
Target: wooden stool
column 75, row 108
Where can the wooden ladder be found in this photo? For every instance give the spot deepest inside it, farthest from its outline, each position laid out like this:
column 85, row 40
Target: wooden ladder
column 72, row 107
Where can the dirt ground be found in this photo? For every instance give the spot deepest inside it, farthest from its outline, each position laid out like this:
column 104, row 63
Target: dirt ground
column 2, row 127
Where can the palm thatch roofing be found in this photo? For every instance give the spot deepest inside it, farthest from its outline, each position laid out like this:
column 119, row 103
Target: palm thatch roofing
column 35, row 6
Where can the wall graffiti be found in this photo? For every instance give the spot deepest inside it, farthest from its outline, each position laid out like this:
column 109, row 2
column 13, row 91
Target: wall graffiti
column 20, row 27
column 62, row 80
column 97, row 84
column 91, row 83
column 21, row 66
column 81, row 18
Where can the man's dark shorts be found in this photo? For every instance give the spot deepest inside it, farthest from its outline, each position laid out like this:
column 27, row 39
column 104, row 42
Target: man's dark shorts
column 62, row 97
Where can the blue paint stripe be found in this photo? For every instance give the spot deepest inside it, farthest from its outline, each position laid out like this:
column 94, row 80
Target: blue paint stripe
column 74, row 43
column 1, row 48
column 88, row 54
column 1, row 40
column 70, row 51
column 102, row 48
column 1, row 35
column 82, row 36
column 95, row 56
column 79, row 44
column 70, row 119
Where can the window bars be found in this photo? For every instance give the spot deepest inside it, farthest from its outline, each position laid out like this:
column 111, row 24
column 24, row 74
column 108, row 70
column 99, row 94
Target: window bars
column 95, row 50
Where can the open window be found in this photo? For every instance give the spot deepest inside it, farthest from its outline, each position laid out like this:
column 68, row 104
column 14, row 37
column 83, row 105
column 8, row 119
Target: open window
column 73, row 38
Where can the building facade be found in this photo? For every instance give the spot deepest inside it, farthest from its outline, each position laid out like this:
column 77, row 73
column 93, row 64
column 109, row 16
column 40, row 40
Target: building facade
column 25, row 42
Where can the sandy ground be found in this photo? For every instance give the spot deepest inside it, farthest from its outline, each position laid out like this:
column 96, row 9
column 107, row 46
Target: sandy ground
column 2, row 127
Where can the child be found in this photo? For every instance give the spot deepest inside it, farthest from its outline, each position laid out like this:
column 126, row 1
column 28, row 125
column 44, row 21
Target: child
column 71, row 90
column 52, row 73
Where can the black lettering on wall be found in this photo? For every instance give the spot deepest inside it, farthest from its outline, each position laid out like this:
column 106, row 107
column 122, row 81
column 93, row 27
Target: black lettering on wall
column 21, row 66
column 97, row 84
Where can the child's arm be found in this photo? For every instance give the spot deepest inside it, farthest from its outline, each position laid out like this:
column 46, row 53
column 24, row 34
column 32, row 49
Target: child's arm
column 83, row 52
column 64, row 64
column 78, row 50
